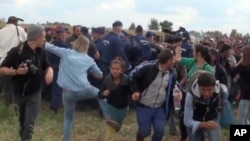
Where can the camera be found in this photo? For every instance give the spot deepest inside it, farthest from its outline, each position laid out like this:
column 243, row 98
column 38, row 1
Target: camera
column 32, row 68
column 172, row 37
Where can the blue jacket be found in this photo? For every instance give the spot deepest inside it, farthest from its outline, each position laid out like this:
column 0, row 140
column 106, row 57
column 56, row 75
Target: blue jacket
column 111, row 47
column 190, row 109
column 141, row 48
column 73, row 68
column 187, row 49
column 98, row 44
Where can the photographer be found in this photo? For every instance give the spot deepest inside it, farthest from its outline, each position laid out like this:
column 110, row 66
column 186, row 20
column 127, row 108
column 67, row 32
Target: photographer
column 26, row 64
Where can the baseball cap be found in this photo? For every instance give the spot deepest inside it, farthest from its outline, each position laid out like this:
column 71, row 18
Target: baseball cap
column 13, row 19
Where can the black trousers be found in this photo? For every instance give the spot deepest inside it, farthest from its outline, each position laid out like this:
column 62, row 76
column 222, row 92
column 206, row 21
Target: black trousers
column 182, row 127
column 27, row 108
column 6, row 90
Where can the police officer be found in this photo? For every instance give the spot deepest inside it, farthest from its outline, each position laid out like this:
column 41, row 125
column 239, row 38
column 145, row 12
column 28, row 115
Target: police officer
column 112, row 47
column 141, row 47
column 97, row 36
column 187, row 49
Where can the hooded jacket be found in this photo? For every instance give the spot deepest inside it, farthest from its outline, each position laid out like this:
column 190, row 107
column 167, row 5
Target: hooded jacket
column 142, row 77
column 199, row 110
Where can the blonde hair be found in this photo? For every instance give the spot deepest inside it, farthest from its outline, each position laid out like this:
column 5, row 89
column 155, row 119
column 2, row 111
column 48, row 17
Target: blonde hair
column 81, row 44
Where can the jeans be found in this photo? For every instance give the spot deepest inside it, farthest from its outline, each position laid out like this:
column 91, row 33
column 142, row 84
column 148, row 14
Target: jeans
column 213, row 135
column 117, row 114
column 28, row 108
column 171, row 122
column 6, row 93
column 183, row 128
column 244, row 112
column 70, row 99
column 56, row 94
column 147, row 117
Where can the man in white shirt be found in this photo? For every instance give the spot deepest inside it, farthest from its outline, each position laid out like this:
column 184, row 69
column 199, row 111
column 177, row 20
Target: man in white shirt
column 10, row 36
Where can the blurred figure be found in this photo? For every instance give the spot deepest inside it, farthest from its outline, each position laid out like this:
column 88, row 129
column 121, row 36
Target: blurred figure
column 243, row 70
column 186, row 46
column 49, row 35
column 11, row 36
column 76, row 34
column 155, row 46
column 92, row 51
column 237, row 51
column 56, row 90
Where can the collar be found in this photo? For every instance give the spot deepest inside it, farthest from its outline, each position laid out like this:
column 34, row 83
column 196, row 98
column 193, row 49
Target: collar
column 28, row 48
column 159, row 66
column 123, row 80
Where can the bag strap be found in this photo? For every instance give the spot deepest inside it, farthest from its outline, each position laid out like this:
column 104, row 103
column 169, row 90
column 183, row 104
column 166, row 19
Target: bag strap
column 20, row 48
column 18, row 35
column 17, row 31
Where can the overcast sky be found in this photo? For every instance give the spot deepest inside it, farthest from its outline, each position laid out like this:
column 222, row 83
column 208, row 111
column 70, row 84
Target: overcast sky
column 222, row 15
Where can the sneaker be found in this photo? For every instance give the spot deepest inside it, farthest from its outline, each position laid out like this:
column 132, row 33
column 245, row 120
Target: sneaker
column 113, row 124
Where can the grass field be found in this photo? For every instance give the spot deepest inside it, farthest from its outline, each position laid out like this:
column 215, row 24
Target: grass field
column 87, row 126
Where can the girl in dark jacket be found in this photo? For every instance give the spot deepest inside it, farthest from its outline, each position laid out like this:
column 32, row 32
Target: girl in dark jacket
column 115, row 88
column 220, row 73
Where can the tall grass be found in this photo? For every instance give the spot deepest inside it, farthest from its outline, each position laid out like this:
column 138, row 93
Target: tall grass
column 87, row 126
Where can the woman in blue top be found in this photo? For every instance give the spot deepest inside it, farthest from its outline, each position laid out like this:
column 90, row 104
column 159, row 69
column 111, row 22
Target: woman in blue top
column 74, row 67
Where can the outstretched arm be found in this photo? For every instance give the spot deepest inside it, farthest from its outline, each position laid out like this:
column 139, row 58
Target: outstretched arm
column 55, row 49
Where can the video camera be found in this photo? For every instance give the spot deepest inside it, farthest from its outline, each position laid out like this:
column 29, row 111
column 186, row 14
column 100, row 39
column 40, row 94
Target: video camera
column 172, row 37
column 32, row 68
column 28, row 63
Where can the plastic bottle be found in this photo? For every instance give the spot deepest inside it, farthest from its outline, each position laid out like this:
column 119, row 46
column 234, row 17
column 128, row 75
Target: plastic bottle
column 177, row 98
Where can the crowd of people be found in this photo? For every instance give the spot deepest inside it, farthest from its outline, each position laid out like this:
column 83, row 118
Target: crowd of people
column 122, row 71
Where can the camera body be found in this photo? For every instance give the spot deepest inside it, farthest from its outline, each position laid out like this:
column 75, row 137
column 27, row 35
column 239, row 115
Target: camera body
column 172, row 37
column 32, row 68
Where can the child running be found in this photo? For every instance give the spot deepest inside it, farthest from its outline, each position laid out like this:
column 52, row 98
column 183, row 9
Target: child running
column 115, row 88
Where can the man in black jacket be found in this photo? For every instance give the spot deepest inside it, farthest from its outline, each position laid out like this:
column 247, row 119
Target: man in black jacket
column 152, row 87
column 27, row 64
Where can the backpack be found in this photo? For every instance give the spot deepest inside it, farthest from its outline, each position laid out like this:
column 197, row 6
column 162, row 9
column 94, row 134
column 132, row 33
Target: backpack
column 226, row 117
column 193, row 78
